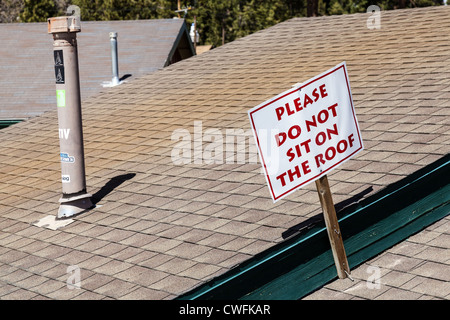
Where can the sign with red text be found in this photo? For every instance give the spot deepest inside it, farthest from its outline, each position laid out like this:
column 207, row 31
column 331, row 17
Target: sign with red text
column 305, row 132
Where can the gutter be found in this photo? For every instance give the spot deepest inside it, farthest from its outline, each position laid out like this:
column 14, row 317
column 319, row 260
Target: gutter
column 303, row 263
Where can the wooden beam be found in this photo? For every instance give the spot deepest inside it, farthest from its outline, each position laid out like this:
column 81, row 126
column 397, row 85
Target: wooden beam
column 333, row 230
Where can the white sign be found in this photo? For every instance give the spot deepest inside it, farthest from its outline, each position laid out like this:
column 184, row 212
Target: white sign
column 305, row 132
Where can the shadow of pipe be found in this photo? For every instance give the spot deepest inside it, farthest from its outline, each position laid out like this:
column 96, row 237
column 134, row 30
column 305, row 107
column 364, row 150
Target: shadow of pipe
column 110, row 186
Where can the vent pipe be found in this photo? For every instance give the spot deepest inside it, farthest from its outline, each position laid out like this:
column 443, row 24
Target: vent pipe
column 114, row 59
column 75, row 199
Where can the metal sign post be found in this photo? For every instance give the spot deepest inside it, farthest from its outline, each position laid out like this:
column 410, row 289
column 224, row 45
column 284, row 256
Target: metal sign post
column 75, row 199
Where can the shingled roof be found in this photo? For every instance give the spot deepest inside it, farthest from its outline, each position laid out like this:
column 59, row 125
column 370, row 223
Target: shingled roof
column 26, row 57
column 160, row 228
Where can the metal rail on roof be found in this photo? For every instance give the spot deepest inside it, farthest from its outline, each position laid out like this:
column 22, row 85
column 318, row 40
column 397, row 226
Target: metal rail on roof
column 304, row 263
column 7, row 123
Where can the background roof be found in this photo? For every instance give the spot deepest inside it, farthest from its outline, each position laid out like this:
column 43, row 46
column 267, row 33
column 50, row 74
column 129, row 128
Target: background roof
column 164, row 228
column 26, row 59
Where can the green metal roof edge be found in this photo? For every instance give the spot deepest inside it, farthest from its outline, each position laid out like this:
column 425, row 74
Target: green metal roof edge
column 7, row 123
column 303, row 263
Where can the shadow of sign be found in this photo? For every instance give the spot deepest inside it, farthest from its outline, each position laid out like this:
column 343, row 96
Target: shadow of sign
column 311, row 222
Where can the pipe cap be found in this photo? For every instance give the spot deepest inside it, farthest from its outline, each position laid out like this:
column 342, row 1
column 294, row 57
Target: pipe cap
column 64, row 24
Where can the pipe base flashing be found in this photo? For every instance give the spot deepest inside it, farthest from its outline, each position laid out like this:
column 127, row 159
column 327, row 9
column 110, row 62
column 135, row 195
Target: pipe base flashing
column 71, row 206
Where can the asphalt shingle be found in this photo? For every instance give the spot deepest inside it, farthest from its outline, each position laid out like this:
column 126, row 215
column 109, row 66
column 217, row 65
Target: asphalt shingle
column 417, row 268
column 153, row 213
